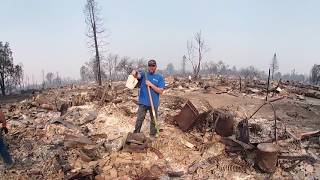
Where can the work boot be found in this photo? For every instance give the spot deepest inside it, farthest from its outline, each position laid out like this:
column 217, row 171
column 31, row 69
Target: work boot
column 6, row 166
column 9, row 166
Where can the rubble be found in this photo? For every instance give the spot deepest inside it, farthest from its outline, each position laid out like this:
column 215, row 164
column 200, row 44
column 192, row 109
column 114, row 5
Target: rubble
column 84, row 132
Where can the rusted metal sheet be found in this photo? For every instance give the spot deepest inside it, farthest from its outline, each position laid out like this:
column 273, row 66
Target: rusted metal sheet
column 267, row 157
column 243, row 130
column 187, row 116
column 224, row 125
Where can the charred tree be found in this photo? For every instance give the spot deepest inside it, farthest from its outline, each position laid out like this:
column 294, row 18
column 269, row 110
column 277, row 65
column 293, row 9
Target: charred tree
column 274, row 65
column 10, row 75
column 95, row 34
column 201, row 49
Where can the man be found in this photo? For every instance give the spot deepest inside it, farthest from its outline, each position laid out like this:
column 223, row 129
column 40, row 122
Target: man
column 3, row 149
column 156, row 84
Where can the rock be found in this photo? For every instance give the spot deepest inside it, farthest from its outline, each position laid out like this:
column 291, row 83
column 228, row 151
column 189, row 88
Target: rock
column 106, row 168
column 309, row 168
column 278, row 89
column 47, row 107
column 121, row 173
column 78, row 164
column 175, row 174
column 252, row 90
column 63, row 109
column 292, row 114
column 93, row 164
column 113, row 173
column 84, row 157
column 103, row 161
column 78, row 100
column 67, row 124
column 300, row 97
column 100, row 177
column 215, row 150
column 92, row 115
column 80, row 175
column 73, row 139
column 114, row 145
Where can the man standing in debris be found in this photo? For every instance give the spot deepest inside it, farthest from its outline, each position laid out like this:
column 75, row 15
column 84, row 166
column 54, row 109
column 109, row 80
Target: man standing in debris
column 156, row 84
column 3, row 149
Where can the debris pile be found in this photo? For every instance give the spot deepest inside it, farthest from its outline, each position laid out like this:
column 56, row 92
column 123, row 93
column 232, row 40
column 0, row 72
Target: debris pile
column 84, row 132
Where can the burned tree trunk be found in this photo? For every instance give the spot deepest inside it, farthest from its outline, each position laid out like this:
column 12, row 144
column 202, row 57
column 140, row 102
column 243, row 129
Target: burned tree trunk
column 201, row 48
column 95, row 28
column 3, row 88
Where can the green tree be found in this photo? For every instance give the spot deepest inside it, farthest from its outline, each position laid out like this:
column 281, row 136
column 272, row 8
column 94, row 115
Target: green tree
column 315, row 74
column 274, row 65
column 170, row 69
column 184, row 62
column 49, row 77
column 10, row 75
column 84, row 71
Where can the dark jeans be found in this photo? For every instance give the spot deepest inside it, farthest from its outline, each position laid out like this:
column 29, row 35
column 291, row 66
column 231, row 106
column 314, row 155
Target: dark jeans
column 142, row 111
column 4, row 152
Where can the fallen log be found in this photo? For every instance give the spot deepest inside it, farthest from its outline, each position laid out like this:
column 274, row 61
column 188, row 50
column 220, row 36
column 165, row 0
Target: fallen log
column 240, row 143
column 305, row 135
column 175, row 174
column 65, row 123
column 309, row 134
column 157, row 152
column 79, row 139
column 293, row 135
column 296, row 160
column 302, row 158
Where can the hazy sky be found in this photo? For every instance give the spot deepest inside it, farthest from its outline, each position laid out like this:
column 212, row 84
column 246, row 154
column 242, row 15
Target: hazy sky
column 50, row 34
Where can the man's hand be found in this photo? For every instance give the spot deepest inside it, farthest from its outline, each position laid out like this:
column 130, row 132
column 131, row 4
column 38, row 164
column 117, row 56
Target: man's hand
column 4, row 122
column 155, row 88
column 134, row 73
column 148, row 83
column 5, row 130
column 2, row 117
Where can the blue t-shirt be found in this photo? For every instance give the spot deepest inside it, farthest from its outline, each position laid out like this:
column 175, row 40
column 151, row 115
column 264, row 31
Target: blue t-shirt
column 155, row 79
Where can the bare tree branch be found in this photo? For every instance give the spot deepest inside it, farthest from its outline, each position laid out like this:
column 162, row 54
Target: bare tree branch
column 201, row 50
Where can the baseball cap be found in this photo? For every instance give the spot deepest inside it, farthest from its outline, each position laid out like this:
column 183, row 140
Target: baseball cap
column 152, row 62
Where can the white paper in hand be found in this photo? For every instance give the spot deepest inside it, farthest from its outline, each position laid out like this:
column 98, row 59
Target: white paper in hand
column 131, row 82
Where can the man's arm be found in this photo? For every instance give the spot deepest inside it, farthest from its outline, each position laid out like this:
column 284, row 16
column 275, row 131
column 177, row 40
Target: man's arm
column 4, row 122
column 155, row 88
column 3, row 119
column 158, row 89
